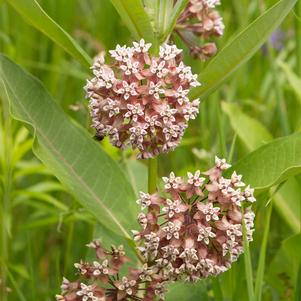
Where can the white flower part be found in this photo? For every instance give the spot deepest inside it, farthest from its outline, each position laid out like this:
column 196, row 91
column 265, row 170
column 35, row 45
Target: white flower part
column 236, row 180
column 191, row 109
column 184, row 73
column 122, row 54
column 249, row 194
column 160, row 290
column 205, row 233
column 173, row 131
column 155, row 89
column 127, row 90
column 137, row 134
column 228, row 246
column 189, row 255
column 152, row 122
column 170, row 251
column 145, row 200
column 225, row 187
column 126, row 285
column 237, row 197
column 212, row 3
column 104, row 78
column 112, row 107
column 151, row 245
column 221, row 163
column 168, row 114
column 172, row 230
column 65, row 285
column 81, row 268
column 172, row 181
column 181, row 95
column 219, row 26
column 142, row 46
column 133, row 111
column 172, row 208
column 233, row 231
column 168, row 52
column 195, row 179
column 142, row 220
column 130, row 67
column 86, row 293
column 101, row 268
column 158, row 68
column 209, row 211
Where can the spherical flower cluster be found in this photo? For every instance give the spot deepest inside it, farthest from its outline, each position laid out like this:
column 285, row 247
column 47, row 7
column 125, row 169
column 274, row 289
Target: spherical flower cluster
column 201, row 18
column 195, row 229
column 101, row 280
column 142, row 100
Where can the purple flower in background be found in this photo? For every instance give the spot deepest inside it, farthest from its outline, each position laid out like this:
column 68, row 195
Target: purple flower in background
column 276, row 41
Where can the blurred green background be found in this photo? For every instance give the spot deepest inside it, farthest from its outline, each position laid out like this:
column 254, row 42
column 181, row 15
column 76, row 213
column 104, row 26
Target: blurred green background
column 48, row 229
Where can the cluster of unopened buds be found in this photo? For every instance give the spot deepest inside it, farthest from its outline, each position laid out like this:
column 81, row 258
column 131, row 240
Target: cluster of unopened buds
column 101, row 280
column 202, row 19
column 195, row 228
column 141, row 100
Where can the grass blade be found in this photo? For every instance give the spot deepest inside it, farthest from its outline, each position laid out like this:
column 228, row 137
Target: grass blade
column 176, row 11
column 262, row 255
column 248, row 265
column 241, row 48
column 37, row 17
column 135, row 18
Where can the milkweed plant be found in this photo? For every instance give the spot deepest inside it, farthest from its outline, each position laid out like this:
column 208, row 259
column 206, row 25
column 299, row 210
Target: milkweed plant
column 141, row 98
column 191, row 230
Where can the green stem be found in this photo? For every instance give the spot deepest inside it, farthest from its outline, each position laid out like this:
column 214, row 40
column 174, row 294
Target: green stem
column 152, row 175
column 6, row 200
column 262, row 256
column 298, row 37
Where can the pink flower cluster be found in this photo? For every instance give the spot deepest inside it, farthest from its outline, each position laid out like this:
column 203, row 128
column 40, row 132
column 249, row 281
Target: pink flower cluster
column 142, row 100
column 101, row 280
column 201, row 18
column 195, row 229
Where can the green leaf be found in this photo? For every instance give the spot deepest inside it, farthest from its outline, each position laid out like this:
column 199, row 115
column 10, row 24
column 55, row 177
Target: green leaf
column 272, row 163
column 286, row 263
column 288, row 203
column 249, row 130
column 75, row 159
column 175, row 13
column 292, row 78
column 135, row 18
column 253, row 134
column 241, row 48
column 187, row 291
column 37, row 17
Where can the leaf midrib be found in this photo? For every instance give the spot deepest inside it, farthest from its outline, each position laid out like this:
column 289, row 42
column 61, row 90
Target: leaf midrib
column 64, row 161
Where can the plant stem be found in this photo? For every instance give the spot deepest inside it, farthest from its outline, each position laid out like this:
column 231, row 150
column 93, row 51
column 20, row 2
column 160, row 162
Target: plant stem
column 298, row 37
column 6, row 199
column 152, row 175
column 262, row 256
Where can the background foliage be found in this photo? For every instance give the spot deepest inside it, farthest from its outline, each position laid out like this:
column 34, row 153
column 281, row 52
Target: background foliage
column 45, row 223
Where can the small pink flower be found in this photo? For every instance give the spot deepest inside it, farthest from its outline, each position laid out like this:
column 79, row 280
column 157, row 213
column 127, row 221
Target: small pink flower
column 141, row 100
column 201, row 19
column 197, row 233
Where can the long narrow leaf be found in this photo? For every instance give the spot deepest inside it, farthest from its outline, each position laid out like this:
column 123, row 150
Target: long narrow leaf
column 241, row 48
column 135, row 18
column 37, row 17
column 178, row 8
column 272, row 163
column 78, row 162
